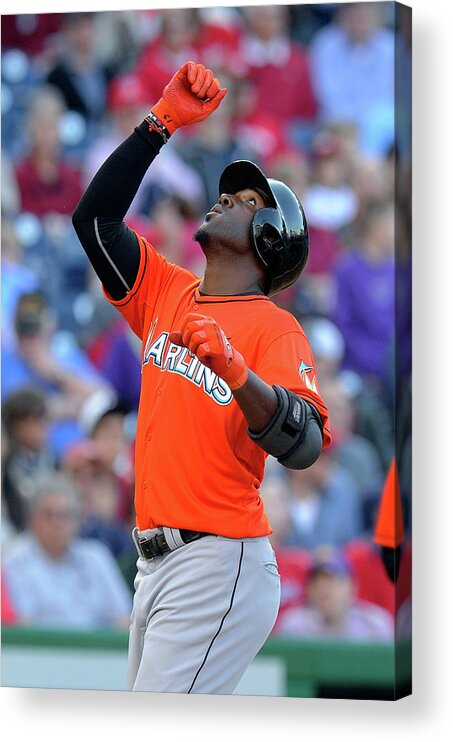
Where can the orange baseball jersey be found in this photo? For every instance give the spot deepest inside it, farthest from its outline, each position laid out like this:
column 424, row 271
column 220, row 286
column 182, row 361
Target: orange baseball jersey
column 389, row 530
column 196, row 466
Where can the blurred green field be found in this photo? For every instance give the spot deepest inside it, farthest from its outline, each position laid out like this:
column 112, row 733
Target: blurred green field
column 284, row 667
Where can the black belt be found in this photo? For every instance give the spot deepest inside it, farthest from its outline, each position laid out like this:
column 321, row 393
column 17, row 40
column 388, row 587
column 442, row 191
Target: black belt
column 157, row 542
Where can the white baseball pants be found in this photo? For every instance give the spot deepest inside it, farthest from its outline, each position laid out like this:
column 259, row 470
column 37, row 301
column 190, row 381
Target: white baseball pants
column 200, row 615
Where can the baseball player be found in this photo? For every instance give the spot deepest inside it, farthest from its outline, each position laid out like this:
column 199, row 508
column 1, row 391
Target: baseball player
column 227, row 379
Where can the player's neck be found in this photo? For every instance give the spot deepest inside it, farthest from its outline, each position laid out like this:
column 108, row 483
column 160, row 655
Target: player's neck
column 227, row 279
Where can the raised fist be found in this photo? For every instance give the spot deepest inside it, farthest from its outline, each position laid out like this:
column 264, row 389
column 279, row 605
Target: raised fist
column 206, row 340
column 192, row 94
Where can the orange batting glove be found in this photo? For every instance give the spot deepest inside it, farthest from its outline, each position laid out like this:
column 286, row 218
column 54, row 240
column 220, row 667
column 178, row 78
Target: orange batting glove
column 192, row 94
column 206, row 340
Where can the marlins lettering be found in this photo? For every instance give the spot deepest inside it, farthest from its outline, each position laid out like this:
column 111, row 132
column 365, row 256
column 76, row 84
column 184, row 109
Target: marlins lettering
column 176, row 360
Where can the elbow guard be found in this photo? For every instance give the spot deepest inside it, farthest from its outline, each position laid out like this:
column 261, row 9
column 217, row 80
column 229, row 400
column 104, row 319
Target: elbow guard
column 294, row 434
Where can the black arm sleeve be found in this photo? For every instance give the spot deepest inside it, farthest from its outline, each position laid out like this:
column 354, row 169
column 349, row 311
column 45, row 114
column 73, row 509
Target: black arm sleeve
column 110, row 245
column 391, row 559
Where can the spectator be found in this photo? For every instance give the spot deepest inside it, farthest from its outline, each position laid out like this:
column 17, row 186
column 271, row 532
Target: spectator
column 185, row 35
column 365, row 278
column 103, row 418
column 353, row 452
column 101, row 469
column 116, row 352
column 352, row 62
column 278, row 67
column 327, row 343
column 372, row 419
column 54, row 578
column 174, row 45
column 26, row 425
column 329, row 202
column 372, row 179
column 332, row 611
column 17, row 279
column 79, row 76
column 325, row 505
column 346, row 136
column 119, row 37
column 262, row 134
column 99, row 499
column 47, row 183
column 51, row 362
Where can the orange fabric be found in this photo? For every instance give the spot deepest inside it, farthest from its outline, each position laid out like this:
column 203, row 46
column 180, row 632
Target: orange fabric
column 205, row 339
column 389, row 524
column 196, row 466
column 192, row 94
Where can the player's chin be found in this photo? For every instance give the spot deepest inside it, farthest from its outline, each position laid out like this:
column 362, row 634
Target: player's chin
column 202, row 235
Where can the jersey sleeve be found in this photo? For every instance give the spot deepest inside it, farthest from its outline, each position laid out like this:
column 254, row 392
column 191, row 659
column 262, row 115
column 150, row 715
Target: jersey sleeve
column 389, row 528
column 288, row 362
column 153, row 273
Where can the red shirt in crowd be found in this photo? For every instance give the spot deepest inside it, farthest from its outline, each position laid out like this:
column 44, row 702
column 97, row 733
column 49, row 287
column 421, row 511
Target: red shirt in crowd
column 30, row 32
column 60, row 196
column 213, row 46
column 285, row 91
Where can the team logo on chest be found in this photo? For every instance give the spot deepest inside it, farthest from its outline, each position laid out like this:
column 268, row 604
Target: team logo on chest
column 173, row 359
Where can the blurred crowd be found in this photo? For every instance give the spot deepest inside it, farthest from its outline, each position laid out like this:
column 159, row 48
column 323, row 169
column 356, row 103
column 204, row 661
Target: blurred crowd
column 311, row 99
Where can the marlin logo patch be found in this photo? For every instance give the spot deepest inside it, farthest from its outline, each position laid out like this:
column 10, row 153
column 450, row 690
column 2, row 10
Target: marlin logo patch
column 305, row 372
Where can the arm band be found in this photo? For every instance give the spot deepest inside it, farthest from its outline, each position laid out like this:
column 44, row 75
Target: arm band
column 294, row 434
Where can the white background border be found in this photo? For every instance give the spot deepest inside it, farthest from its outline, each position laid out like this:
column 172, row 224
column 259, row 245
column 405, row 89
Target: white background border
column 69, row 716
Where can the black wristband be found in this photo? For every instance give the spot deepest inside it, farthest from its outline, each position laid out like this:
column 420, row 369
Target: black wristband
column 154, row 124
column 151, row 137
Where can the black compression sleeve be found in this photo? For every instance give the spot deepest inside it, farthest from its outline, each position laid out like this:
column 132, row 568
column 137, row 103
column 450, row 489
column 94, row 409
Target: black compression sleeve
column 110, row 245
column 391, row 559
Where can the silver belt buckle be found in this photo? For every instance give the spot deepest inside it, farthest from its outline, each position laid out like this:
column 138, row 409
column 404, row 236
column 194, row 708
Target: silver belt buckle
column 139, row 537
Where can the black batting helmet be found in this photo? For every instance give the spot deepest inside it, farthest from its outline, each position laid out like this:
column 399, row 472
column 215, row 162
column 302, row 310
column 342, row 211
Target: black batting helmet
column 279, row 233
